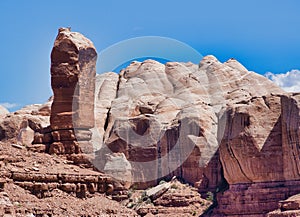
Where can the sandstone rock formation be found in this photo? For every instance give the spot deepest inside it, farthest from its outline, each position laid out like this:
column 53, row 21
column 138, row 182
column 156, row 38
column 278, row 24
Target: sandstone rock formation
column 22, row 125
column 291, row 135
column 215, row 125
column 3, row 111
column 177, row 113
column 210, row 119
column 73, row 60
column 289, row 207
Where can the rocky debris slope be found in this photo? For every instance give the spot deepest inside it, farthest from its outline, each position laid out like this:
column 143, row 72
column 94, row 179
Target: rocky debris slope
column 168, row 199
column 38, row 184
column 287, row 208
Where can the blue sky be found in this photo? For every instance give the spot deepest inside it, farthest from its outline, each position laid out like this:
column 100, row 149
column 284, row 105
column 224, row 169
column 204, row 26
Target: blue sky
column 263, row 35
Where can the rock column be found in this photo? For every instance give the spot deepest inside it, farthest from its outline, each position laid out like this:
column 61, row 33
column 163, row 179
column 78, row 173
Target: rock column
column 73, row 71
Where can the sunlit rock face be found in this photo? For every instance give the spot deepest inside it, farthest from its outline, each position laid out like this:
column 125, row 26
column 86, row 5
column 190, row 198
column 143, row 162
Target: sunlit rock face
column 215, row 125
column 73, row 71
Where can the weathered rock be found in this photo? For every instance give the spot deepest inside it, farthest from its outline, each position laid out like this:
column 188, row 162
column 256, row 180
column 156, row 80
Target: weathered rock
column 73, row 61
column 26, row 134
column 178, row 113
column 209, row 126
column 287, row 208
column 254, row 198
column 3, row 111
column 170, row 199
column 292, row 203
column 118, row 166
column 158, row 190
column 213, row 125
column 251, row 139
column 42, row 148
column 22, row 123
column 2, row 183
column 291, row 136
column 6, row 206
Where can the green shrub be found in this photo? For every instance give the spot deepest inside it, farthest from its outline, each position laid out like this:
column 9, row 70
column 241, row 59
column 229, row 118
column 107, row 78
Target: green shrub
column 174, row 186
column 210, row 196
column 162, row 182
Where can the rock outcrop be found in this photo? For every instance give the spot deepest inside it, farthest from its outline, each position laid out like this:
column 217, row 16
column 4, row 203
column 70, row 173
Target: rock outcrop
column 23, row 125
column 291, row 135
column 73, row 61
column 289, row 207
column 212, row 125
column 39, row 184
column 215, row 125
column 3, row 111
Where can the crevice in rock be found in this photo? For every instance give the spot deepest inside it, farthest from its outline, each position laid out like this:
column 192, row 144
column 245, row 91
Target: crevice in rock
column 159, row 172
column 224, row 185
column 107, row 119
column 239, row 165
column 118, row 86
column 266, row 102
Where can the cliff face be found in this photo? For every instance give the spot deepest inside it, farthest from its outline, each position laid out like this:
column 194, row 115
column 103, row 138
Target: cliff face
column 261, row 161
column 213, row 125
column 228, row 125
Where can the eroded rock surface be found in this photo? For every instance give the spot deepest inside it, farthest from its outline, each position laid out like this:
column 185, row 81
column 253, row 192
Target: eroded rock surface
column 287, row 208
column 3, row 111
column 22, row 125
column 291, row 136
column 211, row 125
column 215, row 125
column 73, row 62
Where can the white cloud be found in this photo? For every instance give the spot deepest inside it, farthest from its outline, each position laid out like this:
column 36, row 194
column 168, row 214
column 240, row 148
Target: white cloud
column 289, row 81
column 9, row 105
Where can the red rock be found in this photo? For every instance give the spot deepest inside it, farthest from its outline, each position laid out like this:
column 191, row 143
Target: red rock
column 73, row 72
column 287, row 208
column 291, row 136
column 65, row 147
column 73, row 61
column 215, row 125
column 28, row 117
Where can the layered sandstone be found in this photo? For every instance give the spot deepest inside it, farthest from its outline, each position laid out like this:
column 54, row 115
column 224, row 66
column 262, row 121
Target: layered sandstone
column 291, row 135
column 212, row 120
column 215, row 125
column 23, row 125
column 179, row 112
column 287, row 208
column 73, row 61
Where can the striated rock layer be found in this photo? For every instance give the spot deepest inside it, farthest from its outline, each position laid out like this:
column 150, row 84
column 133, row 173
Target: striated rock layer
column 73, row 62
column 287, row 208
